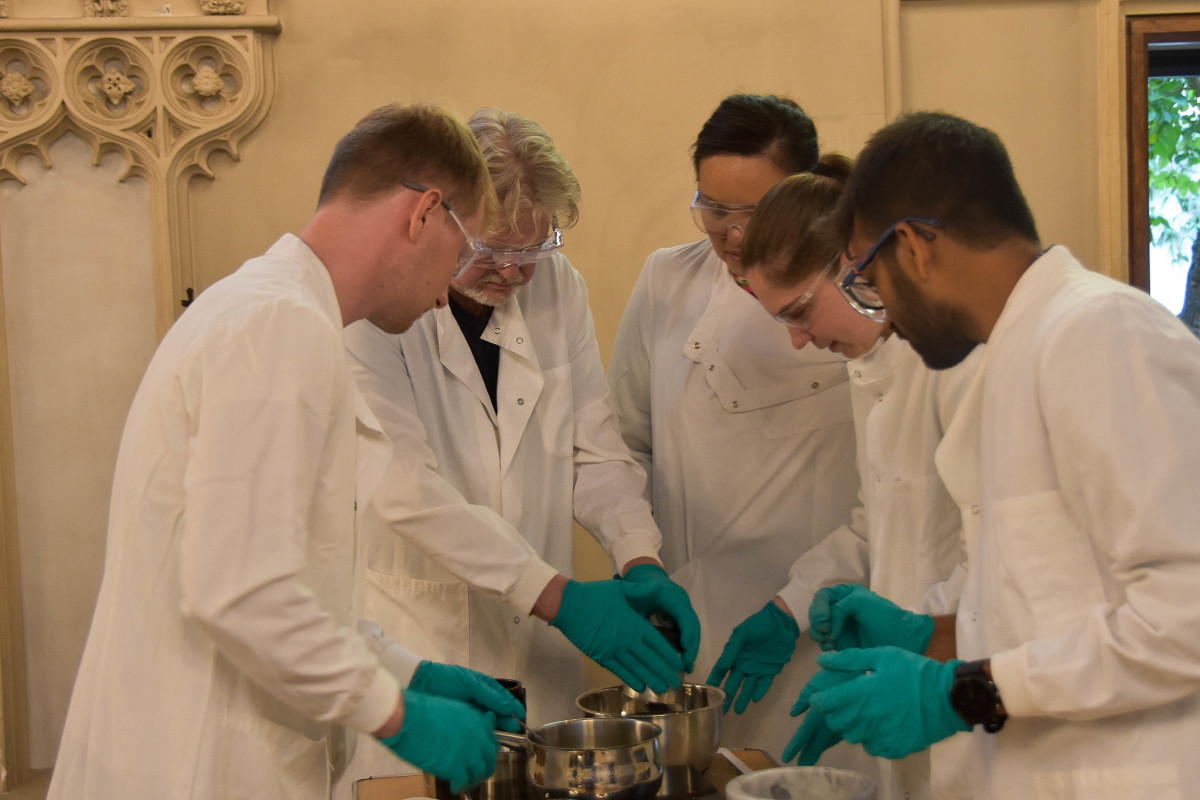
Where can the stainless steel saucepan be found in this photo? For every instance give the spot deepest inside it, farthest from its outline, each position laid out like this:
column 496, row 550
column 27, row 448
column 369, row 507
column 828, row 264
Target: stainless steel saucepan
column 601, row 758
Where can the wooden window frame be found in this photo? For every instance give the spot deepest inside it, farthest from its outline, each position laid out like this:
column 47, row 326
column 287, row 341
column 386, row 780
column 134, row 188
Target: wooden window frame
column 1140, row 33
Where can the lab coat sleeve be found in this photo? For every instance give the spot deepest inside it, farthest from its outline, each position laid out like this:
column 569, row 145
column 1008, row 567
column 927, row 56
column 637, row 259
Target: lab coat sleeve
column 609, row 499
column 251, row 473
column 472, row 542
column 629, row 376
column 1120, row 394
column 400, row 662
column 841, row 557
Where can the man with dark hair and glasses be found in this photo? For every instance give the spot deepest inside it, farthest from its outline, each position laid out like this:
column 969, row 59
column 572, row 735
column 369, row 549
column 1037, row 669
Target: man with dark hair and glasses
column 500, row 404
column 1073, row 459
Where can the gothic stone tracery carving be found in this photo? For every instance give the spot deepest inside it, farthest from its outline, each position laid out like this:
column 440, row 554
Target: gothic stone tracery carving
column 165, row 99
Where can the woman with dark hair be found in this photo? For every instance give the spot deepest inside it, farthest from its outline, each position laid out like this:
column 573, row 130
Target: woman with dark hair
column 747, row 442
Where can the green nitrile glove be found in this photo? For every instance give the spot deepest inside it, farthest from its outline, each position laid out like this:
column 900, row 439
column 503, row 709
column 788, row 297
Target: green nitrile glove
column 895, row 703
column 460, row 683
column 814, row 736
column 755, row 653
column 606, row 620
column 852, row 616
column 447, row 738
column 675, row 604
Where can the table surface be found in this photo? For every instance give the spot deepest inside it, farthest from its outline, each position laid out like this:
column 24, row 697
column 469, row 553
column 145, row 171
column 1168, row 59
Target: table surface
column 403, row 787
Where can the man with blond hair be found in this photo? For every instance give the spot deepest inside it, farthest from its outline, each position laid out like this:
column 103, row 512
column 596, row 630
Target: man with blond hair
column 499, row 402
column 222, row 661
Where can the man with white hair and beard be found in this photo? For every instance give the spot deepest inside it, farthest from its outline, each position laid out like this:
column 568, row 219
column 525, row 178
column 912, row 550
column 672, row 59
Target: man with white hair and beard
column 498, row 403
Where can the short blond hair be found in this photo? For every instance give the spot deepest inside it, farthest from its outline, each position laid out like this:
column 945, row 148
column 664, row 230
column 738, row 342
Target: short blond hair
column 422, row 144
column 526, row 168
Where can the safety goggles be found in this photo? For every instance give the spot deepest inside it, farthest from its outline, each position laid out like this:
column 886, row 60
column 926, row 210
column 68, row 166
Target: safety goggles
column 499, row 258
column 798, row 313
column 466, row 255
column 719, row 219
column 862, row 293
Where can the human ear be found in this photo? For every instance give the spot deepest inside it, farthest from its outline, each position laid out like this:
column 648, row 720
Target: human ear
column 418, row 211
column 913, row 252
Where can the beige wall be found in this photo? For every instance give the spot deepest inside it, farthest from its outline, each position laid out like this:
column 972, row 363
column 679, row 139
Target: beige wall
column 623, row 86
column 1029, row 71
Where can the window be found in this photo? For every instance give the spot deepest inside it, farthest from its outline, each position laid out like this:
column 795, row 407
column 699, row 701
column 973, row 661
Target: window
column 1163, row 60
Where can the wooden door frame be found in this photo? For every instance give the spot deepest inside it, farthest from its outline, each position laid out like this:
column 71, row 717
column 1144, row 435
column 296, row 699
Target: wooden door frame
column 1140, row 33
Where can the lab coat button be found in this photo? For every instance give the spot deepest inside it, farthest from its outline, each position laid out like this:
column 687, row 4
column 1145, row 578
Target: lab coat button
column 974, row 616
column 495, row 330
column 974, row 508
column 695, row 345
column 734, row 404
column 711, row 367
column 857, row 373
column 816, row 385
column 520, row 401
column 516, row 620
column 520, row 340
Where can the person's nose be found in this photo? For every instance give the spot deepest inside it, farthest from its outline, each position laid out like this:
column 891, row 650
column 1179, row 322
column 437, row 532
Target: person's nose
column 509, row 272
column 735, row 235
column 799, row 337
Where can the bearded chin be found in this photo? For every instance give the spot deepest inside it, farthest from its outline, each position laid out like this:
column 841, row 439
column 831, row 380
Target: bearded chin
column 936, row 331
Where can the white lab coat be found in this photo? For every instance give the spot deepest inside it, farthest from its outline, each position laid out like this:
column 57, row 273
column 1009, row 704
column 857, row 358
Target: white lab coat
column 904, row 541
column 553, row 452
column 749, row 444
column 222, row 659
column 1074, row 457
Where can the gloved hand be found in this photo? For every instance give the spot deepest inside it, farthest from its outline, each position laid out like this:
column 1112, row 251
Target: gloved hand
column 852, row 616
column 460, row 683
column 677, row 606
column 606, row 620
column 814, row 736
column 447, row 738
column 755, row 653
column 895, row 703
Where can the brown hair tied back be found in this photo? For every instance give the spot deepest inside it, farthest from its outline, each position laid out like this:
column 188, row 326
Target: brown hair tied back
column 786, row 238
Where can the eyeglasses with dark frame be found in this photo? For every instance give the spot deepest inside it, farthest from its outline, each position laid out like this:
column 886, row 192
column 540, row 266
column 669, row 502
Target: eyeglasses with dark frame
column 466, row 256
column 860, row 292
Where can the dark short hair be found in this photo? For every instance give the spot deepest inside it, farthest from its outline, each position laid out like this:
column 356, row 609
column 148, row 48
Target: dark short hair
column 759, row 125
column 785, row 239
column 939, row 166
column 422, row 144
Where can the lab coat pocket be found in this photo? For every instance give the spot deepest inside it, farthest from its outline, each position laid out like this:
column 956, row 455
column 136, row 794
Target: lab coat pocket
column 427, row 617
column 260, row 760
column 923, row 512
column 554, row 412
column 783, row 408
column 1148, row 782
column 1047, row 564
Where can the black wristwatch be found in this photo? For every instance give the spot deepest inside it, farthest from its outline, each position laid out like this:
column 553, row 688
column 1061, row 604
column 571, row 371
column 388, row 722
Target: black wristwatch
column 974, row 697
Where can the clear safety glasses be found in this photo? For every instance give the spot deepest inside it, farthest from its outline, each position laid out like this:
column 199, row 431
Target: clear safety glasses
column 860, row 292
column 467, row 254
column 798, row 313
column 719, row 219
column 499, row 258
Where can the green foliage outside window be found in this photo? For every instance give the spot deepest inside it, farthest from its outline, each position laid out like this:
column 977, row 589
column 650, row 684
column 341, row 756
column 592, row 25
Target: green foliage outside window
column 1174, row 168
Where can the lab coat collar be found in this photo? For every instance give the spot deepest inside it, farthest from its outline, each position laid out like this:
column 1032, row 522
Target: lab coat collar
column 520, row 383
column 316, row 275
column 1038, row 283
column 316, row 279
